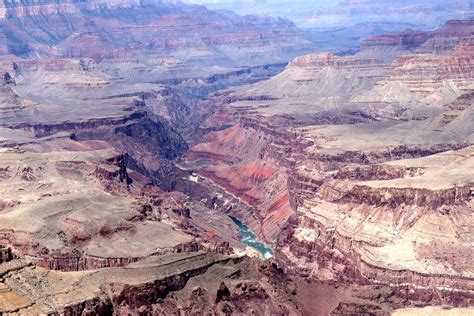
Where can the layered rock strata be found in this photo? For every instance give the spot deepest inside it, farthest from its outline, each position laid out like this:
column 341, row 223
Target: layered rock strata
column 386, row 201
column 182, row 283
column 94, row 29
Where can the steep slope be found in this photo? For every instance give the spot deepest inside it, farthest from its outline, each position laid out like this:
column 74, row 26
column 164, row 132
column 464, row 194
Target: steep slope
column 53, row 215
column 320, row 85
column 95, row 29
column 374, row 159
column 73, row 215
column 90, row 124
column 442, row 40
column 179, row 283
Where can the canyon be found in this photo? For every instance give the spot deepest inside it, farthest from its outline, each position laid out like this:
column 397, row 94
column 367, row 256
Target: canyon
column 163, row 158
column 356, row 168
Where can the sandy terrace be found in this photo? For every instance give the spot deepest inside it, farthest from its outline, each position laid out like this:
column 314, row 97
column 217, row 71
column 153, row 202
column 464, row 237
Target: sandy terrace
column 440, row 171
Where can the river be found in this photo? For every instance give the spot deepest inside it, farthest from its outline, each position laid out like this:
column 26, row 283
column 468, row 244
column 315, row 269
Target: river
column 250, row 239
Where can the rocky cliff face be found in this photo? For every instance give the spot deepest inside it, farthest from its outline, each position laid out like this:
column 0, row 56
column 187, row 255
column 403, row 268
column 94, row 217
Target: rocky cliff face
column 247, row 171
column 183, row 283
column 85, row 143
column 442, row 40
column 94, row 29
column 321, row 88
column 371, row 203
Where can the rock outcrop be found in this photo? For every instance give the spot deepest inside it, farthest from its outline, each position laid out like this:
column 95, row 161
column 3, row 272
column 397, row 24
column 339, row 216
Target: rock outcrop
column 94, row 29
column 162, row 284
column 442, row 40
column 379, row 202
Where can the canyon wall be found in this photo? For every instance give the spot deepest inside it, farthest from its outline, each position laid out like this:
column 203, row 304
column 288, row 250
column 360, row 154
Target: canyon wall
column 186, row 33
column 377, row 202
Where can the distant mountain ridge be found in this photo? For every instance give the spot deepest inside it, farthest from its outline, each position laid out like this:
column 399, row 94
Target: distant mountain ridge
column 326, row 14
column 102, row 29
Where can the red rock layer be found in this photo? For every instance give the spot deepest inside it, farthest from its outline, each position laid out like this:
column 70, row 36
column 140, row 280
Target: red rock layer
column 425, row 73
column 258, row 181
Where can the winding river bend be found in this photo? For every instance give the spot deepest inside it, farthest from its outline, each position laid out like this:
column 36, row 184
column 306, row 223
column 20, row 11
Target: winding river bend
column 250, row 239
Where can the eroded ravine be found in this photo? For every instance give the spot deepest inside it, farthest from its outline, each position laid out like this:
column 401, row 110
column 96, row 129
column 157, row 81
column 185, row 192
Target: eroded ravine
column 357, row 194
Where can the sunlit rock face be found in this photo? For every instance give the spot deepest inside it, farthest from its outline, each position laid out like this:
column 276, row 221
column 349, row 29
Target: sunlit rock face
column 374, row 156
column 381, row 83
column 95, row 100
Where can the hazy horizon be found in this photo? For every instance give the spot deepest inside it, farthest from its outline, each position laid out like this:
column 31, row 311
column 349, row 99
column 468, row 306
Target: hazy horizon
column 323, row 13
